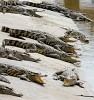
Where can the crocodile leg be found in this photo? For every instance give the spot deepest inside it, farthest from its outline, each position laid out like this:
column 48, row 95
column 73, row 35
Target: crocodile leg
column 4, row 10
column 23, row 77
column 25, row 57
column 3, row 44
column 32, row 13
column 8, row 55
column 80, row 84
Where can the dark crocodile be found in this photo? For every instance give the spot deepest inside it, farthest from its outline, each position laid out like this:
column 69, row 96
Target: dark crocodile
column 9, row 91
column 42, row 37
column 77, row 16
column 18, row 10
column 77, row 35
column 21, row 73
column 16, row 55
column 40, row 48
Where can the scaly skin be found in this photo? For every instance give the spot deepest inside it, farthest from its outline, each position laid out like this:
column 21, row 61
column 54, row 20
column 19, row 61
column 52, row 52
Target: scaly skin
column 77, row 35
column 18, row 10
column 15, row 55
column 10, row 2
column 69, row 77
column 42, row 37
column 9, row 91
column 40, row 48
column 65, row 11
column 21, row 73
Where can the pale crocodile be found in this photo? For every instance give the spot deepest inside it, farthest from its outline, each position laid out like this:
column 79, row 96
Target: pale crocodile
column 69, row 77
column 42, row 37
column 40, row 48
column 16, row 55
column 21, row 73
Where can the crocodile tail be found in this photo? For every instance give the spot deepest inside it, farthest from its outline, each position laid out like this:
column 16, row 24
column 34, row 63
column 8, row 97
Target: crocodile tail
column 9, row 42
column 6, row 42
column 16, row 43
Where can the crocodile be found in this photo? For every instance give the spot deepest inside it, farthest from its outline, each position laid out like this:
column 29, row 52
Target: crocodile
column 77, row 16
column 40, row 48
column 77, row 35
column 21, row 73
column 16, row 55
column 42, row 37
column 9, row 91
column 18, row 10
column 69, row 77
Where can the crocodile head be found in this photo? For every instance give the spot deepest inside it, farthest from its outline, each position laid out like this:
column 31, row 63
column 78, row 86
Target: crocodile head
column 69, row 82
column 70, row 77
column 83, row 39
column 69, row 59
column 70, row 49
column 77, row 35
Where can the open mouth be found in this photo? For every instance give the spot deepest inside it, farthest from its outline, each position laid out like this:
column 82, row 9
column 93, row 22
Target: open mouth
column 68, row 82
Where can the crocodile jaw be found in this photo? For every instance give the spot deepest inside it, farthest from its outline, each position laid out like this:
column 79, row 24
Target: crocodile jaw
column 69, row 82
